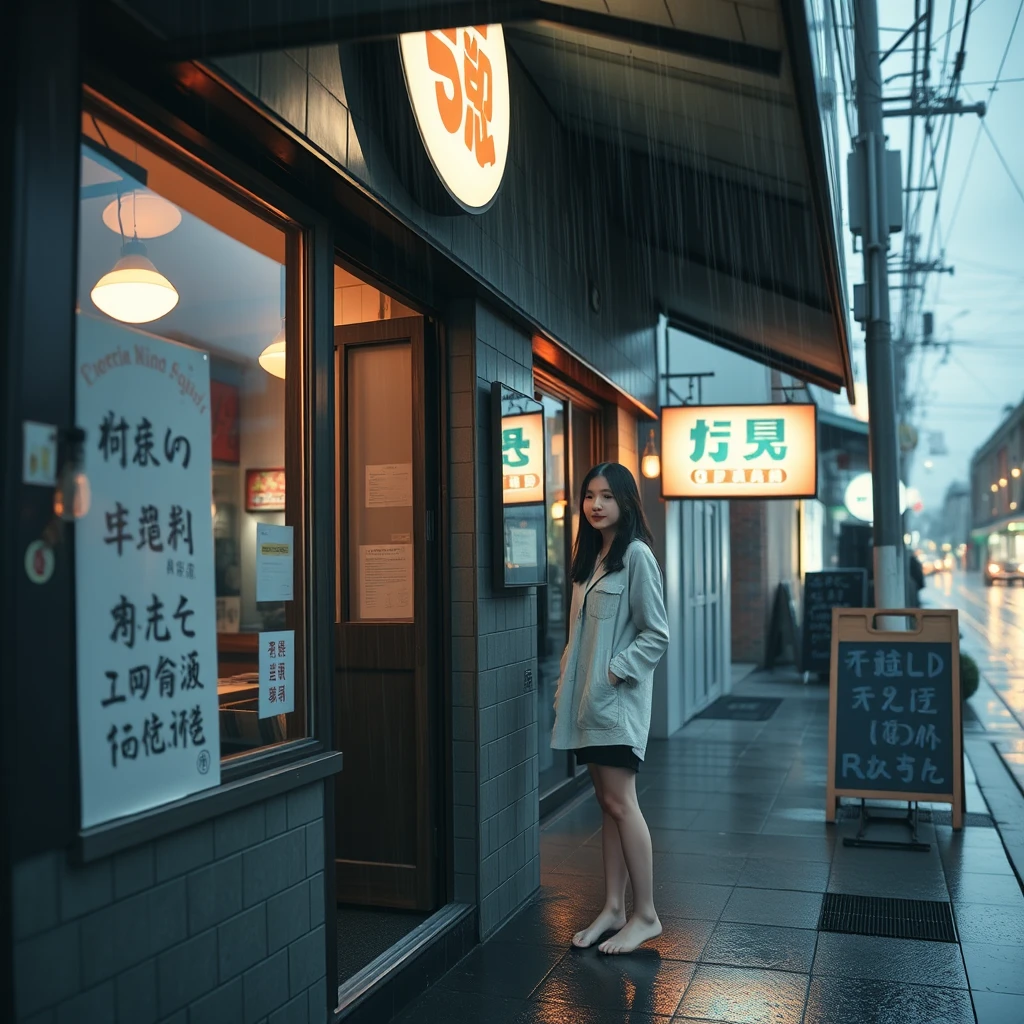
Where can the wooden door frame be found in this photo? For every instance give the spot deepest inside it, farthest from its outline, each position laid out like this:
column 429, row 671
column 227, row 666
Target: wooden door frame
column 426, row 623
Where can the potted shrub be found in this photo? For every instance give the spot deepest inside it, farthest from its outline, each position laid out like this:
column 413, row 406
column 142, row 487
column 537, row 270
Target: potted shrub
column 969, row 675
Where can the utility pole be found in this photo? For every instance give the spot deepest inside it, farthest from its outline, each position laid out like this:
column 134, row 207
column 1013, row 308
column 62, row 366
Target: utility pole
column 890, row 580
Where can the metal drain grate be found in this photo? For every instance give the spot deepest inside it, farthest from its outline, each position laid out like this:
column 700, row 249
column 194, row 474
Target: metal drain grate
column 887, row 918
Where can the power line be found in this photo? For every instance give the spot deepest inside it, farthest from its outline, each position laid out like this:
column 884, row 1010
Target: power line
column 977, row 136
column 1002, row 160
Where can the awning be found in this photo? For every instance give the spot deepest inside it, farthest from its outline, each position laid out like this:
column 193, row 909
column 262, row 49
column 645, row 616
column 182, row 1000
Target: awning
column 711, row 123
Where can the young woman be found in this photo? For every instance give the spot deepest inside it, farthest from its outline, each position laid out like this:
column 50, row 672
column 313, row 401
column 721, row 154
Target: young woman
column 617, row 635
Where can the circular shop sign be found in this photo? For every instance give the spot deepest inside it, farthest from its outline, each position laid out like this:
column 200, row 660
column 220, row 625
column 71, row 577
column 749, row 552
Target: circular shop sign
column 457, row 81
column 859, row 496
column 39, row 562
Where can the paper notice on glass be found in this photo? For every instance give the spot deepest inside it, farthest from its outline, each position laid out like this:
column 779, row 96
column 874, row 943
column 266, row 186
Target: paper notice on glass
column 275, row 563
column 277, row 678
column 389, row 485
column 523, row 546
column 385, row 581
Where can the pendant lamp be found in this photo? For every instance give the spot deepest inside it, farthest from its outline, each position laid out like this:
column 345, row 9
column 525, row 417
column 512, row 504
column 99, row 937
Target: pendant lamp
column 650, row 464
column 134, row 291
column 272, row 358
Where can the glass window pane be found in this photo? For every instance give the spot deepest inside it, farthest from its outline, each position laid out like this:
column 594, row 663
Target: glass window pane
column 378, row 385
column 227, row 266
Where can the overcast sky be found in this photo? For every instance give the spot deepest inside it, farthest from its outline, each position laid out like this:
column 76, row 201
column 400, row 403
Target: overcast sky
column 981, row 307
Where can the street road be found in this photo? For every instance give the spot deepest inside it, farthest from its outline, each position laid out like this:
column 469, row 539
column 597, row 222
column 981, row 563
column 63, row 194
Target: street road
column 992, row 626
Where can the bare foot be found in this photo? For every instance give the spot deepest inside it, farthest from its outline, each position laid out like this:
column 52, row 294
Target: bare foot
column 606, row 921
column 636, row 932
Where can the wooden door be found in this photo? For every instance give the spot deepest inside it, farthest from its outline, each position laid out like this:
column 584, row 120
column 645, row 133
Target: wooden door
column 387, row 621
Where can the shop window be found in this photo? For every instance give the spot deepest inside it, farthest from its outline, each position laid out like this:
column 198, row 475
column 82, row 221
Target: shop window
column 222, row 279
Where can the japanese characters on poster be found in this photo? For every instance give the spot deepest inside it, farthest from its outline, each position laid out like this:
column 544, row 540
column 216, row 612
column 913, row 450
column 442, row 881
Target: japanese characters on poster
column 146, row 612
column 275, row 563
column 457, row 80
column 894, row 717
column 739, row 451
column 277, row 676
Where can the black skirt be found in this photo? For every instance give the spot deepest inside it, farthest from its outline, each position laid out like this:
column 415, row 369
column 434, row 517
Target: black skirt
column 619, row 756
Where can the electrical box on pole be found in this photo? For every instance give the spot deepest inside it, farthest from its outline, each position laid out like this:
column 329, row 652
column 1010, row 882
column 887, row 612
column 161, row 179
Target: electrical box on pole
column 890, row 195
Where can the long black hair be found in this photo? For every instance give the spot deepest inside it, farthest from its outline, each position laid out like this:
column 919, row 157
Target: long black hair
column 632, row 523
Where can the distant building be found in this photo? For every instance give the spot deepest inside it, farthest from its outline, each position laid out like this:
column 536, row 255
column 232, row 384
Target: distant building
column 996, row 496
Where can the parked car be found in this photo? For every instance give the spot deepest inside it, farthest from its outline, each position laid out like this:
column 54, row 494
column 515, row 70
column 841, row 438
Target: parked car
column 1008, row 572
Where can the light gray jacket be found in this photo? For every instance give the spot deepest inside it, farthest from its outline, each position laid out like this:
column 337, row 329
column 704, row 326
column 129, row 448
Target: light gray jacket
column 617, row 627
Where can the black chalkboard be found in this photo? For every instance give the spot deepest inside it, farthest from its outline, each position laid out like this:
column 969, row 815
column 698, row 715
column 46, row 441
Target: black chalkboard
column 823, row 591
column 894, row 718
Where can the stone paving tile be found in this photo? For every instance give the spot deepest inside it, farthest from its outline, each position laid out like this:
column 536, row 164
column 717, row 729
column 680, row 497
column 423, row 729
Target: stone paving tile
column 883, row 959
column 641, row 982
column 994, row 1008
column 856, row 1001
column 977, row 922
column 761, row 946
column 744, row 996
column 779, row 873
column 994, row 968
column 787, row 909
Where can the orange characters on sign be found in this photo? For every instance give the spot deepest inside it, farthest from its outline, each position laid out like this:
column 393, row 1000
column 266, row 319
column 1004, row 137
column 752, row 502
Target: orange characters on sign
column 475, row 81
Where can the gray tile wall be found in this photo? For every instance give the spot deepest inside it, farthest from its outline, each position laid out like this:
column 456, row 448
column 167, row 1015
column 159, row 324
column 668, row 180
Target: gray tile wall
column 221, row 923
column 494, row 640
column 542, row 244
column 506, row 650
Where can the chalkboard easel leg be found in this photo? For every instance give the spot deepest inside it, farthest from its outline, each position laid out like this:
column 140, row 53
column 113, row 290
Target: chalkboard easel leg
column 910, row 820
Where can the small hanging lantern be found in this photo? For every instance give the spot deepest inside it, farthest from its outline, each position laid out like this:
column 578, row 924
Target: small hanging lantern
column 650, row 464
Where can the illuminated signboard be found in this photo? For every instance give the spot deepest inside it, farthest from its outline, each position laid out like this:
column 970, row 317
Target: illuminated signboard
column 457, row 80
column 520, row 509
column 739, row 451
column 522, row 457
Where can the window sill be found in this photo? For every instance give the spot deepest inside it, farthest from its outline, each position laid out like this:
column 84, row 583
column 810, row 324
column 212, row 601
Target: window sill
column 124, row 833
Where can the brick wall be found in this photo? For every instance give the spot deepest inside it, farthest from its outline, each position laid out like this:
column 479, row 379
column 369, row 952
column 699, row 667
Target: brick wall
column 220, row 923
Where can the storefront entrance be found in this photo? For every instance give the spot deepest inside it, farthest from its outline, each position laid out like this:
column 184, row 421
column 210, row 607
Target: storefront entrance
column 387, row 695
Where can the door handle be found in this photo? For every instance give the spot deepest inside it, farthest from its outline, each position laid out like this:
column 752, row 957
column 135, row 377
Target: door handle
column 430, row 526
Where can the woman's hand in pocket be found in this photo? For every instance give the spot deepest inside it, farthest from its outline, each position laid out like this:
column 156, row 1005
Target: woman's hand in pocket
column 613, row 678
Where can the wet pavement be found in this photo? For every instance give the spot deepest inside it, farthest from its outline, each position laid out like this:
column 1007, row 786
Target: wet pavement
column 742, row 859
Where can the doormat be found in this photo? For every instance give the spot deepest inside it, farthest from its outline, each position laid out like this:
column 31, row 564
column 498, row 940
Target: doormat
column 742, row 709
column 878, row 916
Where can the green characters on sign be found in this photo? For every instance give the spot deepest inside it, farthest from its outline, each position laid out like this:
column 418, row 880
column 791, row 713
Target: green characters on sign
column 513, row 448
column 718, row 431
column 768, row 437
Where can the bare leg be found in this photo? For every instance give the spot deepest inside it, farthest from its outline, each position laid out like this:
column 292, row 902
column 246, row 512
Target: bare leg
column 613, row 913
column 619, row 800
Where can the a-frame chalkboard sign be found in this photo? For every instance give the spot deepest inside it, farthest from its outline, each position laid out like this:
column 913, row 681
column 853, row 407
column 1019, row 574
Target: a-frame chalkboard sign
column 894, row 728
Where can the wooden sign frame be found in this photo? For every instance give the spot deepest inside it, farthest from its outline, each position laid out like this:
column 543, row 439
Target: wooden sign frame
column 930, row 626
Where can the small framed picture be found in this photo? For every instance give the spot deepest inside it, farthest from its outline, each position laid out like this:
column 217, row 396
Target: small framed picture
column 264, row 490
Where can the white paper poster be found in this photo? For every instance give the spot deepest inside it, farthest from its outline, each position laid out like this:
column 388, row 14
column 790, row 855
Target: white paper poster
column 389, row 485
column 523, row 544
column 148, row 729
column 385, row 581
column 275, row 563
column 277, row 678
